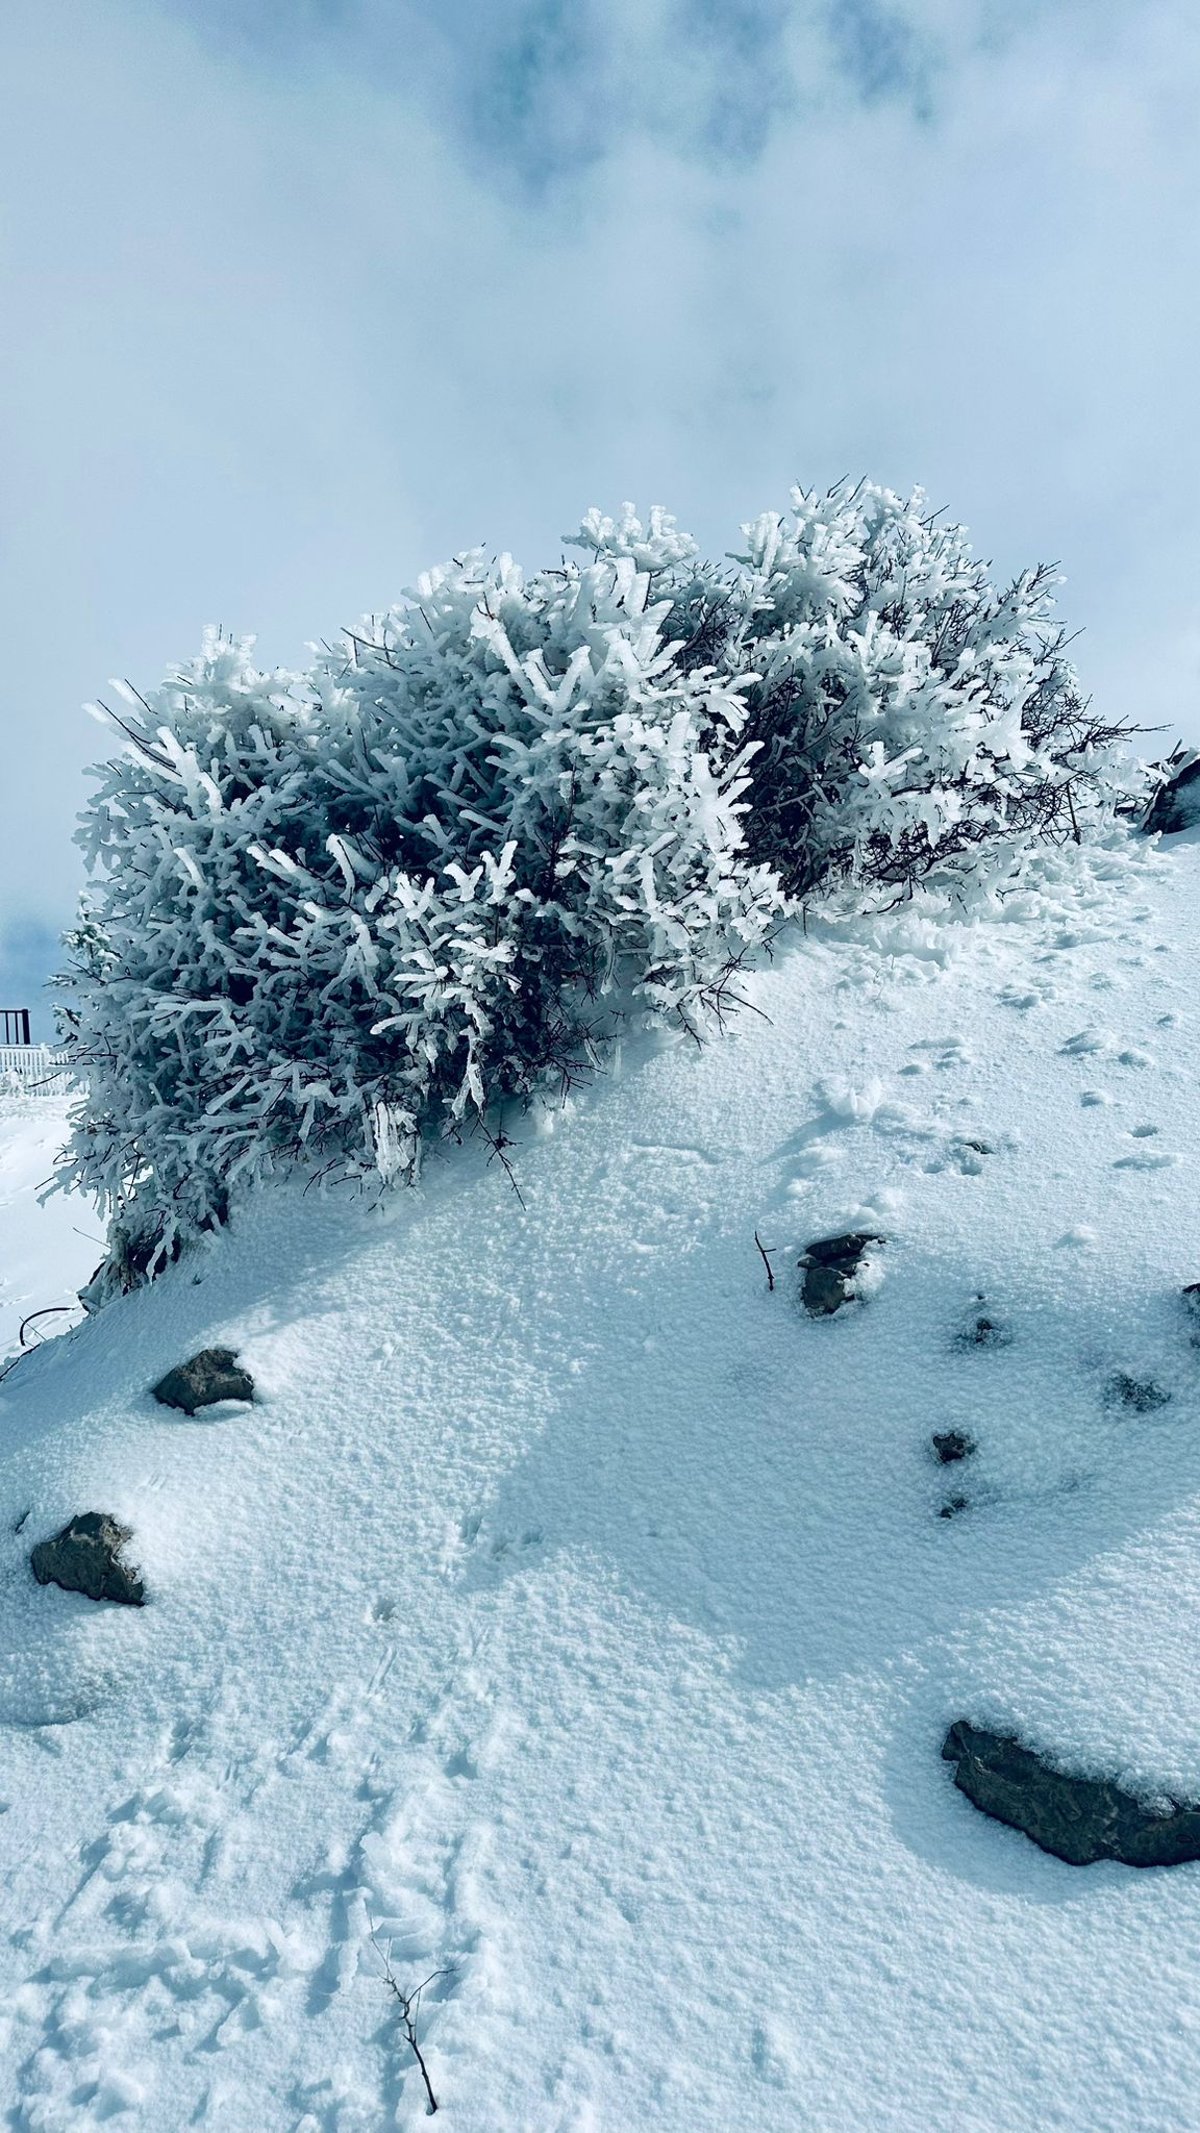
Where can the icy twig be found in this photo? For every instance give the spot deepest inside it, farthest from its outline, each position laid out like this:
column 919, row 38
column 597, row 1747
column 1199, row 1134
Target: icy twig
column 765, row 1260
column 409, row 2004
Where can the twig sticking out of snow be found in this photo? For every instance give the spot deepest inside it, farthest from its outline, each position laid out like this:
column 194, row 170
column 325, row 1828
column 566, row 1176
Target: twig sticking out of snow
column 409, row 2004
column 47, row 1311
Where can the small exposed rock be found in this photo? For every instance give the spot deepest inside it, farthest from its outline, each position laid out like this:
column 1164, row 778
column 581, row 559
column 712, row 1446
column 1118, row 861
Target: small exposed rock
column 954, row 1505
column 984, row 1329
column 951, row 1445
column 989, row 1333
column 213, row 1375
column 86, row 1557
column 1191, row 1298
column 1142, row 1394
column 1078, row 1819
column 829, row 1266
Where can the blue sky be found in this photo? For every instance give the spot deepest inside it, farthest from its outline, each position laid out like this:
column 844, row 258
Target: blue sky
column 300, row 298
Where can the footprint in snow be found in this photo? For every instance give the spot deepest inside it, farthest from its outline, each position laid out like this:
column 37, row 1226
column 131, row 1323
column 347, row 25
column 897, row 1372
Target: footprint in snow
column 959, row 1152
column 142, row 1942
column 505, row 1542
column 927, row 1141
column 1086, row 1041
column 815, row 1159
column 945, row 1052
column 1082, row 937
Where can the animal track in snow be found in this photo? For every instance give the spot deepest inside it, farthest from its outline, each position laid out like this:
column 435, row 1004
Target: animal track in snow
column 932, row 1143
column 134, row 1947
column 1082, row 937
column 153, row 1939
column 942, row 1052
column 1086, row 1041
column 1090, row 1042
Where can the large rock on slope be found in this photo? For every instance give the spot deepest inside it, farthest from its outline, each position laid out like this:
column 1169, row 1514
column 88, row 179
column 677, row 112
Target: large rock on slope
column 829, row 1266
column 213, row 1375
column 1078, row 1819
column 87, row 1557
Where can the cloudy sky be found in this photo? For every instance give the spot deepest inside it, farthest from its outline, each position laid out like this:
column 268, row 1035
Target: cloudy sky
column 298, row 296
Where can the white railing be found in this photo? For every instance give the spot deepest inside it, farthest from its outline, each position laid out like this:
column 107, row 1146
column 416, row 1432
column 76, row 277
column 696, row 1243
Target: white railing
column 32, row 1070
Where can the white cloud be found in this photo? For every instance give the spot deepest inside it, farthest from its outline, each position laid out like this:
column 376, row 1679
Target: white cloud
column 287, row 318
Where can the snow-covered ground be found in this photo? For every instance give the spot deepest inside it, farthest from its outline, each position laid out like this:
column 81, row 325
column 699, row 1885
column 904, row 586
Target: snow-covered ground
column 45, row 1252
column 574, row 1618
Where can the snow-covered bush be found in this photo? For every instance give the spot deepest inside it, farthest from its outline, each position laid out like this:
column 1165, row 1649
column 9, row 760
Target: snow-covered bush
column 909, row 718
column 333, row 912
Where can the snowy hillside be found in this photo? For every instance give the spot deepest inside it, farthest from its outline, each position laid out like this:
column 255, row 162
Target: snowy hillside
column 574, row 1618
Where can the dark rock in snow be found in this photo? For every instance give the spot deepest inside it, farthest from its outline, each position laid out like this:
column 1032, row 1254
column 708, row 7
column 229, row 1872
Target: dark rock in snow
column 829, row 1266
column 212, row 1375
column 985, row 1330
column 989, row 1333
column 1142, row 1394
column 951, row 1445
column 86, row 1557
column 1191, row 1298
column 1078, row 1819
column 954, row 1505
column 1176, row 804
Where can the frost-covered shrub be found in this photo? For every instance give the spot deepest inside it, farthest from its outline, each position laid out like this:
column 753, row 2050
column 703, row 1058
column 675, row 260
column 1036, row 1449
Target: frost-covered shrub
column 335, row 911
column 909, row 718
